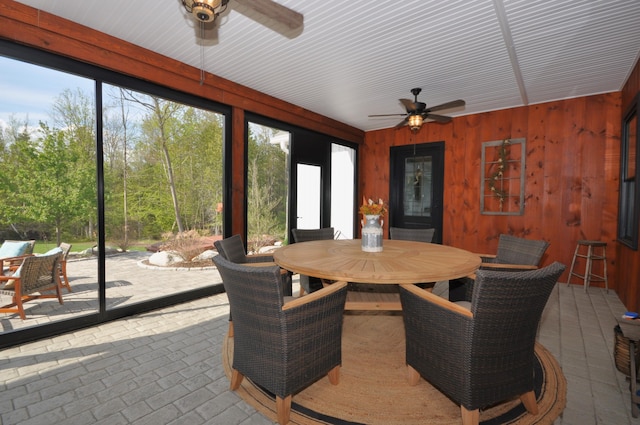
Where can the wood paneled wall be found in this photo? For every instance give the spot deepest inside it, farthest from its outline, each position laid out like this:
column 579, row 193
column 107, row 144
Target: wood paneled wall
column 572, row 167
column 628, row 276
column 31, row 27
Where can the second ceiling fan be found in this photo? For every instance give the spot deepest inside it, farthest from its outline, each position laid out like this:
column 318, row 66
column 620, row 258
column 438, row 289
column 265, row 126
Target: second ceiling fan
column 417, row 112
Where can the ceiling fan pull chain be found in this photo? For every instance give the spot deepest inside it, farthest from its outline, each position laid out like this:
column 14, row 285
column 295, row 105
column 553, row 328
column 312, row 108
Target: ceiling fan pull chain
column 201, row 54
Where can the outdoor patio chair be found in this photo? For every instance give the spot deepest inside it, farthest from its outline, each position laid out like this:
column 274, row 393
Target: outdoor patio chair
column 232, row 249
column 282, row 346
column 66, row 248
column 483, row 355
column 37, row 275
column 311, row 284
column 513, row 254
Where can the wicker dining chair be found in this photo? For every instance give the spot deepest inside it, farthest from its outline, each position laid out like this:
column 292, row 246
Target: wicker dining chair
column 514, row 251
column 36, row 276
column 232, row 249
column 485, row 354
column 311, row 284
column 281, row 346
column 404, row 234
column 513, row 254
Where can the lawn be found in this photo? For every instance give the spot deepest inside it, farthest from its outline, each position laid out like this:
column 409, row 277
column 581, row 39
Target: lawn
column 42, row 246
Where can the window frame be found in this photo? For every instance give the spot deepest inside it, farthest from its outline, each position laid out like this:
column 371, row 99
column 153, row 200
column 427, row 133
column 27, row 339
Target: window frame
column 629, row 201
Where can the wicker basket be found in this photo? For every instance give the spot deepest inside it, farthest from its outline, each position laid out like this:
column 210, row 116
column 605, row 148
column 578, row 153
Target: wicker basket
column 621, row 352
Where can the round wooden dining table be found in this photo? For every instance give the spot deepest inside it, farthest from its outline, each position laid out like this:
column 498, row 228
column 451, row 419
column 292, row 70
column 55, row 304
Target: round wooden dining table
column 399, row 262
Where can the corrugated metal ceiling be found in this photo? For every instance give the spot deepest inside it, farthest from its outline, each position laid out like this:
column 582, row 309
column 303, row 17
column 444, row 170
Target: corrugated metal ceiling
column 355, row 58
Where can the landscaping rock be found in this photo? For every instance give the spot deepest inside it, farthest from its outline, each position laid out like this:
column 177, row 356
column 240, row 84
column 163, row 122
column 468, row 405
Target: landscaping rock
column 165, row 258
column 205, row 255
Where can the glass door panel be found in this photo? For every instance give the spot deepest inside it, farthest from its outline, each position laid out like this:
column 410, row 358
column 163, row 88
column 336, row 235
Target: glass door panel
column 417, row 193
column 163, row 170
column 267, row 186
column 48, row 175
column 342, row 191
column 309, row 191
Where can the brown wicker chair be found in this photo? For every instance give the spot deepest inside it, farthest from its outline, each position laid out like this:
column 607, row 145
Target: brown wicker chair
column 36, row 274
column 513, row 254
column 485, row 355
column 419, row 235
column 311, row 284
column 232, row 249
column 282, row 347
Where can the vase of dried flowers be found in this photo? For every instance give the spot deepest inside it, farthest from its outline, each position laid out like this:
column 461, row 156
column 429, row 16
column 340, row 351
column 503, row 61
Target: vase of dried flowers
column 372, row 225
column 372, row 233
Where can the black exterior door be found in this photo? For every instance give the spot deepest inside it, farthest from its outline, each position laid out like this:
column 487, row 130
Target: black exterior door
column 416, row 187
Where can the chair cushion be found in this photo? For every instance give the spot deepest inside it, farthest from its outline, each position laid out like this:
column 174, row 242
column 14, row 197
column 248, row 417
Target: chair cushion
column 11, row 283
column 52, row 251
column 465, row 304
column 13, row 249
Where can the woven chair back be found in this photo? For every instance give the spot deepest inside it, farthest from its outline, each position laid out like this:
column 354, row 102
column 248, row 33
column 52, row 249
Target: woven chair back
column 305, row 235
column 515, row 250
column 418, row 235
column 38, row 273
column 232, row 249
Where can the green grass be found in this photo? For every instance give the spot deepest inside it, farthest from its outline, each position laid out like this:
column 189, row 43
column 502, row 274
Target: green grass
column 42, row 246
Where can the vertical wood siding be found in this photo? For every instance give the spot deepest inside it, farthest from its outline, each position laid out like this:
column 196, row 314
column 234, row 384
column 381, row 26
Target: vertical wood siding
column 572, row 167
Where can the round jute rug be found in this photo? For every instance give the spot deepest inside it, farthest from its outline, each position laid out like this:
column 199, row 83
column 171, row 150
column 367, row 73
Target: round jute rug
column 374, row 390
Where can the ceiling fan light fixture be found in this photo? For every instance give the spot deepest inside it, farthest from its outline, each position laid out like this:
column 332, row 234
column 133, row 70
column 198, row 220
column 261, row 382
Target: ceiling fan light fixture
column 203, row 10
column 415, row 122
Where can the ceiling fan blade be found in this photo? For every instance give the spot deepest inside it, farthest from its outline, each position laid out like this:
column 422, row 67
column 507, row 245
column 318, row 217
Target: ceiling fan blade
column 269, row 8
column 387, row 115
column 206, row 33
column 438, row 118
column 409, row 105
column 448, row 105
column 403, row 122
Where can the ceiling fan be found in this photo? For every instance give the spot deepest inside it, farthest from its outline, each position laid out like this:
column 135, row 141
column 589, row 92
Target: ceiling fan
column 286, row 21
column 417, row 112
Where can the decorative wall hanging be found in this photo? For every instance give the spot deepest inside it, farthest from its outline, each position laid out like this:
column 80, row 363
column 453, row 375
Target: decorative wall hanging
column 502, row 177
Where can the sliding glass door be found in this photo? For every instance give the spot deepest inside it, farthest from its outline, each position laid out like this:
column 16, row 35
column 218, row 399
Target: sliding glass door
column 297, row 179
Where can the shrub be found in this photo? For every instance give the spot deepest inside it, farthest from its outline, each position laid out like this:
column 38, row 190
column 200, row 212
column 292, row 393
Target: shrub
column 188, row 244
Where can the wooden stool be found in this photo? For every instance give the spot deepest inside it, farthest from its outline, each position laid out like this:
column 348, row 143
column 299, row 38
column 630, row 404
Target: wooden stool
column 590, row 256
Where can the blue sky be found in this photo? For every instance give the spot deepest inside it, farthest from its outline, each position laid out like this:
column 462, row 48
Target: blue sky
column 28, row 90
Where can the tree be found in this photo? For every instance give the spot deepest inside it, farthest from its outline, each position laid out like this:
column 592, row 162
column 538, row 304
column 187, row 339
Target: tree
column 62, row 190
column 161, row 113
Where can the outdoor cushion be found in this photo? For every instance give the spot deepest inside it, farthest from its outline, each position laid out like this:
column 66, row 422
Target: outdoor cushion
column 12, row 282
column 13, row 249
column 56, row 250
